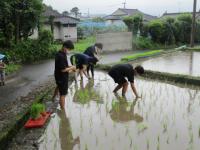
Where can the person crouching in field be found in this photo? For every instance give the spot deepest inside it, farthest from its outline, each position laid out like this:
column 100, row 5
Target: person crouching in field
column 2, row 72
column 82, row 61
column 62, row 70
column 120, row 72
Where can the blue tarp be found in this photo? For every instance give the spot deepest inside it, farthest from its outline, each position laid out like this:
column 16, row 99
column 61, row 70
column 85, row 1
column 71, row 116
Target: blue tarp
column 2, row 56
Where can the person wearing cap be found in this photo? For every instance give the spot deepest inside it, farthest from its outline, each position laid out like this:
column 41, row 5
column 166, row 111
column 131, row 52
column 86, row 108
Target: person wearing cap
column 82, row 61
column 61, row 72
column 93, row 51
column 121, row 71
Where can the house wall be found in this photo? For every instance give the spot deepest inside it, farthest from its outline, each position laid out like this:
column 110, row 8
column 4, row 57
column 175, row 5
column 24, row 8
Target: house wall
column 69, row 33
column 118, row 41
column 60, row 32
column 56, row 32
column 35, row 34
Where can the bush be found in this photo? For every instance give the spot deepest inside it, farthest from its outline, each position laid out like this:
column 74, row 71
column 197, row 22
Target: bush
column 33, row 50
column 155, row 30
column 12, row 68
column 143, row 43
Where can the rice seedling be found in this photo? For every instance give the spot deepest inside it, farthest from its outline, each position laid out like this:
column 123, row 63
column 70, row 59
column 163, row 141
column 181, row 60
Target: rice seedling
column 106, row 132
column 148, row 144
column 97, row 141
column 176, row 136
column 86, row 147
column 164, row 127
column 158, row 146
column 141, row 127
column 135, row 147
column 36, row 110
column 191, row 137
column 158, row 139
column 127, row 130
column 199, row 131
column 168, row 140
column 131, row 141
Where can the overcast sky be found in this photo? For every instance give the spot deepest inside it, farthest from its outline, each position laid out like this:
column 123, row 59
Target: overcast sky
column 153, row 7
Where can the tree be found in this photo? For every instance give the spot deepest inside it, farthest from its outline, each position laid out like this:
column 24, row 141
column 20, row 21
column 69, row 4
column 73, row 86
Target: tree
column 128, row 20
column 168, row 31
column 23, row 15
column 51, row 22
column 65, row 13
column 27, row 14
column 183, row 28
column 134, row 23
column 155, row 30
column 75, row 11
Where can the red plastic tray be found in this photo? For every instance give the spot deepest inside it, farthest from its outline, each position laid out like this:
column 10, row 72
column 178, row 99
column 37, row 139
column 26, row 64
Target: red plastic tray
column 38, row 122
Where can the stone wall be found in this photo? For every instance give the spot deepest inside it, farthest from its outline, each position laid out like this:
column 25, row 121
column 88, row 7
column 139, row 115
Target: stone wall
column 120, row 41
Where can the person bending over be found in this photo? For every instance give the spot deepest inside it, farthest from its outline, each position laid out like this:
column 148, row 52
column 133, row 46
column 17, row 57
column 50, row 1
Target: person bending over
column 93, row 51
column 120, row 72
column 82, row 61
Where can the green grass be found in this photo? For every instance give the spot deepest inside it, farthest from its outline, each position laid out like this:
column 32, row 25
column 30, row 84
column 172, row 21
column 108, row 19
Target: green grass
column 140, row 55
column 81, row 45
column 196, row 48
column 11, row 68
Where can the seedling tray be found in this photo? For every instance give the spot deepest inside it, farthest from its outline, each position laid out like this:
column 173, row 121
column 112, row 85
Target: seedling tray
column 37, row 123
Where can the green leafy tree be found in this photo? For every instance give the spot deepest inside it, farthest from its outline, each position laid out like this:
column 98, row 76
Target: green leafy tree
column 134, row 23
column 24, row 15
column 168, row 31
column 128, row 20
column 75, row 11
column 183, row 28
column 155, row 30
column 51, row 22
column 65, row 13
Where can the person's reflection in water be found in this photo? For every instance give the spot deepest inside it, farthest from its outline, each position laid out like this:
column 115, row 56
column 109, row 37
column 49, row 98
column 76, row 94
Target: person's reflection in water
column 123, row 111
column 86, row 93
column 65, row 133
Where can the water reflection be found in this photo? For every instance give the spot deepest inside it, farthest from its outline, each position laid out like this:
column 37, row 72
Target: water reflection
column 67, row 141
column 123, row 111
column 87, row 93
column 167, row 117
column 181, row 63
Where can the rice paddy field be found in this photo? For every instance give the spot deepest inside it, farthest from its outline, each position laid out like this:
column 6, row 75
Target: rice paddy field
column 182, row 63
column 165, row 118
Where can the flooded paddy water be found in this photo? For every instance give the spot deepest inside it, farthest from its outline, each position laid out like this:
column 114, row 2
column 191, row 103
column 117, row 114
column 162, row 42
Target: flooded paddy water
column 166, row 117
column 180, row 63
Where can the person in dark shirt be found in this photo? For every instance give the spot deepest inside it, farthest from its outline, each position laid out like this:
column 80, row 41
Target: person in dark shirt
column 120, row 72
column 82, row 61
column 62, row 69
column 93, row 51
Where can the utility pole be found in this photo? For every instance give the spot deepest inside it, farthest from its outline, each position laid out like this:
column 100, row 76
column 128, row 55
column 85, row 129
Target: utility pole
column 124, row 4
column 193, row 23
